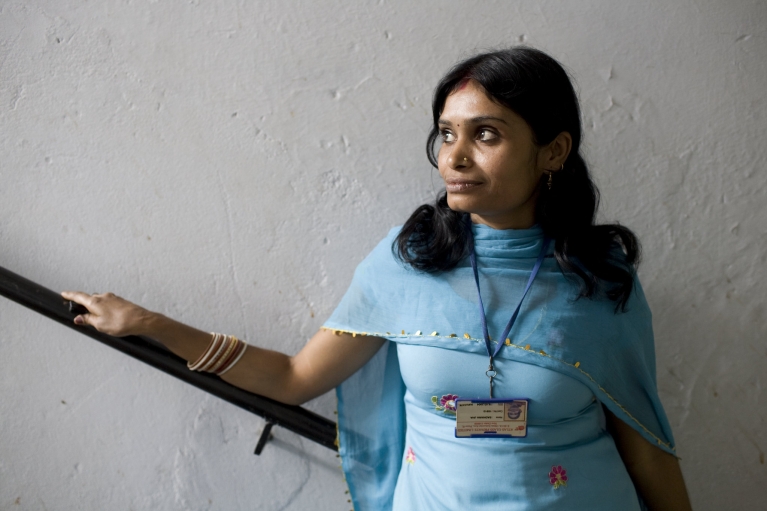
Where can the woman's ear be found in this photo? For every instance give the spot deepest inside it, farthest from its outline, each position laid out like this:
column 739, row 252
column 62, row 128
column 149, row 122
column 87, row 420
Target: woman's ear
column 554, row 155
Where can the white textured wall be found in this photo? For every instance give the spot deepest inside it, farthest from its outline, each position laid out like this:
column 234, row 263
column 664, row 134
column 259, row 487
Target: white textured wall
column 228, row 163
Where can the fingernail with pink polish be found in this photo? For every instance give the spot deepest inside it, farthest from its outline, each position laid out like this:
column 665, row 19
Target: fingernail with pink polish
column 79, row 320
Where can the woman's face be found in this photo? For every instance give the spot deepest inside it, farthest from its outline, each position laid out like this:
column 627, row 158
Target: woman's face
column 488, row 160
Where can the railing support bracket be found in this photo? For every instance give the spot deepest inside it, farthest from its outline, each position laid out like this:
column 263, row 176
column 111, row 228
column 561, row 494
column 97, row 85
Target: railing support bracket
column 265, row 436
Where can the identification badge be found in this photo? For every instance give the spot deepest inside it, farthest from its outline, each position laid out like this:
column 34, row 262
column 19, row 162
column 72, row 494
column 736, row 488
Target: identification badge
column 477, row 418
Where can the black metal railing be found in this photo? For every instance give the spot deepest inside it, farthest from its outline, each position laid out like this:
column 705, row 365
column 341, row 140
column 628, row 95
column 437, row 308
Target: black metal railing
column 296, row 419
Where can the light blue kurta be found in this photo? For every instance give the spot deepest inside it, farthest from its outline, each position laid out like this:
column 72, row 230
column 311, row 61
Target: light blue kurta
column 567, row 356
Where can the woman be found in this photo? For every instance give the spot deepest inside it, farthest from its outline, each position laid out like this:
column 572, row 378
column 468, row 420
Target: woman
column 572, row 372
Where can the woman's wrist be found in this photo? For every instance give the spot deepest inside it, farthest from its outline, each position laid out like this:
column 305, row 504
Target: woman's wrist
column 183, row 340
column 154, row 325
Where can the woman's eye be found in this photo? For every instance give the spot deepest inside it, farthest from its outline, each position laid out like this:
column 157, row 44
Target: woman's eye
column 486, row 135
column 447, row 136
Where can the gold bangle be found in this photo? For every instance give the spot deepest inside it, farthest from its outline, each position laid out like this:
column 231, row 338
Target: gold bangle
column 236, row 356
column 216, row 355
column 231, row 345
column 195, row 366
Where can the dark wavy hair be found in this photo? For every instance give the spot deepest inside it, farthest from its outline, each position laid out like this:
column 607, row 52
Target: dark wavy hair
column 603, row 258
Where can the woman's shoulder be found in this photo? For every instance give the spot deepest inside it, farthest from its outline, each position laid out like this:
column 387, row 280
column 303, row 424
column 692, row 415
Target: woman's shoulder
column 383, row 254
column 386, row 242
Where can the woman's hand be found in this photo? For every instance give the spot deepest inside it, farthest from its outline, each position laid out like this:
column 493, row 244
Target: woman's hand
column 110, row 314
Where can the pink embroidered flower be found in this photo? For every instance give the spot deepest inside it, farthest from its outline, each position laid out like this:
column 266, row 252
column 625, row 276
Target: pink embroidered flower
column 445, row 404
column 448, row 402
column 558, row 476
column 410, row 456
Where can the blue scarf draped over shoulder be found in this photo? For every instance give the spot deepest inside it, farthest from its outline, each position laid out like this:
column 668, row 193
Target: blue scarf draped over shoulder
column 612, row 354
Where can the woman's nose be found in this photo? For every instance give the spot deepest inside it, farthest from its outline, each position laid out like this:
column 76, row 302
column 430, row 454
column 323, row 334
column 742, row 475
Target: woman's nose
column 458, row 159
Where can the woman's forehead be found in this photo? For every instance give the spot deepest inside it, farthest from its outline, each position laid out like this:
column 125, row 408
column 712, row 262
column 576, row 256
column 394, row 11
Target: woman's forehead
column 471, row 101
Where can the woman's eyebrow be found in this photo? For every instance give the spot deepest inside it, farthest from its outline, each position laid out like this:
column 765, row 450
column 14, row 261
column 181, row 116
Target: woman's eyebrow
column 474, row 120
column 485, row 118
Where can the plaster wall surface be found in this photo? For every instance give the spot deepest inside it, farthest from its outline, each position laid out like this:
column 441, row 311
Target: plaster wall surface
column 228, row 163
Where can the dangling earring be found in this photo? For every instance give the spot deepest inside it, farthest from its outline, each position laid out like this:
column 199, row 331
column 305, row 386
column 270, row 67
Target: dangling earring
column 551, row 179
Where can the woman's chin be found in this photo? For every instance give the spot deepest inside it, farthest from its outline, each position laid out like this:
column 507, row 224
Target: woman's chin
column 458, row 203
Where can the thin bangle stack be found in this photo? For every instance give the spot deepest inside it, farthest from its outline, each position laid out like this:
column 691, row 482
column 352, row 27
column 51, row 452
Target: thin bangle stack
column 224, row 351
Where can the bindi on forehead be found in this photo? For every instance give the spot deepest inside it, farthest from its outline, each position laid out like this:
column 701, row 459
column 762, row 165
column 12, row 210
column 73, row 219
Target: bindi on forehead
column 463, row 84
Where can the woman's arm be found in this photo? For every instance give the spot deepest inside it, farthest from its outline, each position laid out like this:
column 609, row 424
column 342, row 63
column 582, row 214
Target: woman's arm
column 323, row 363
column 655, row 472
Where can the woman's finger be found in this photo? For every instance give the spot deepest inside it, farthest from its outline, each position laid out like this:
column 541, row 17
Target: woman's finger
column 78, row 297
column 82, row 319
column 85, row 301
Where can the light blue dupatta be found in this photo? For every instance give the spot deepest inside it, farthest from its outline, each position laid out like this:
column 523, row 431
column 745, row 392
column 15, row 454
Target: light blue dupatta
column 612, row 354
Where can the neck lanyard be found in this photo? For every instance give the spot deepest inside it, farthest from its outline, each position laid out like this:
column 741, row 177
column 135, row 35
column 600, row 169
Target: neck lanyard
column 491, row 372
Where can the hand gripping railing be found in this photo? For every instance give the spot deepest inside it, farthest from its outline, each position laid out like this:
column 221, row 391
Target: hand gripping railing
column 296, row 419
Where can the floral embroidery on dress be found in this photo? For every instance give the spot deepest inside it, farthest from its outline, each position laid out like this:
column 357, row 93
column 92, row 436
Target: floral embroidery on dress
column 558, row 476
column 445, row 404
column 410, row 456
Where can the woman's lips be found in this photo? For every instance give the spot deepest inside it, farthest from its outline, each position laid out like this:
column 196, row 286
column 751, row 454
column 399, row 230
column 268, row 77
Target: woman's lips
column 460, row 185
